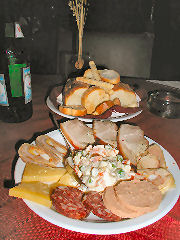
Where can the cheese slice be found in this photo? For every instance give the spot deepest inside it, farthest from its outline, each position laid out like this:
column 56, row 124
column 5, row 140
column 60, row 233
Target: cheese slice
column 35, row 172
column 68, row 180
column 34, row 191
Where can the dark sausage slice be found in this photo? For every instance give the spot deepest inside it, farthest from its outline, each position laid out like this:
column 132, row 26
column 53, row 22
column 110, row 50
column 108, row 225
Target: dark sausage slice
column 68, row 202
column 94, row 201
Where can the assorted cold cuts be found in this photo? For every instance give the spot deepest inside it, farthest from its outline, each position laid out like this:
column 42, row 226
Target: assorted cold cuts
column 68, row 202
column 127, row 199
column 73, row 203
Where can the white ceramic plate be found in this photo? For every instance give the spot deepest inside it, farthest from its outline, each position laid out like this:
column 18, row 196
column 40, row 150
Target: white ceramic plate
column 114, row 118
column 93, row 224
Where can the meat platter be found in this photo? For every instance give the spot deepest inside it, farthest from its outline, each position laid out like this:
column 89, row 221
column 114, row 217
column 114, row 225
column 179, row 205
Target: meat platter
column 95, row 225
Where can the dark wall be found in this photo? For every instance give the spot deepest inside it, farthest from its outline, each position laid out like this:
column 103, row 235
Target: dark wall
column 166, row 51
column 133, row 16
column 118, row 15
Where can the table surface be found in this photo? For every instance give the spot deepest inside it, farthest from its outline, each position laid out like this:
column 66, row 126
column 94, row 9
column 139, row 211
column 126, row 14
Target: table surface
column 17, row 221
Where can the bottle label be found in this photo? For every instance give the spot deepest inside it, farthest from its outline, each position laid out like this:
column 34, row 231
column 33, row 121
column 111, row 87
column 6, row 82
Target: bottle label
column 3, row 93
column 15, row 74
column 18, row 31
column 27, row 84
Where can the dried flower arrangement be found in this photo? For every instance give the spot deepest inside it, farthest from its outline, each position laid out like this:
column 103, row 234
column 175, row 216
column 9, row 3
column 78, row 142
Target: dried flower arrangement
column 79, row 9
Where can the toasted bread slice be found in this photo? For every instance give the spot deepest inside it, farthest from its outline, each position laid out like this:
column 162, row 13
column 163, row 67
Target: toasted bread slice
column 106, row 75
column 73, row 96
column 125, row 94
column 116, row 101
column 106, row 86
column 102, row 107
column 73, row 110
column 93, row 97
column 110, row 76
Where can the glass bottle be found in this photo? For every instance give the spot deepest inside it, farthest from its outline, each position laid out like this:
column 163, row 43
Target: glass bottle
column 15, row 78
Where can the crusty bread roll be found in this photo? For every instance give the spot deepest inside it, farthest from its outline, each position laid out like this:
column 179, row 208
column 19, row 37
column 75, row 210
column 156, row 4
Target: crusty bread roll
column 93, row 97
column 102, row 107
column 125, row 94
column 73, row 96
column 73, row 110
column 106, row 75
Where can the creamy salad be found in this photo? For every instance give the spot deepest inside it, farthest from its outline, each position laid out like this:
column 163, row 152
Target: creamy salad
column 100, row 166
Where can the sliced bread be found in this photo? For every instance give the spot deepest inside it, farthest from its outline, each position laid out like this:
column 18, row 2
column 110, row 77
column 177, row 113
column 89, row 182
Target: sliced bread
column 102, row 107
column 73, row 96
column 125, row 94
column 92, row 97
column 73, row 110
column 106, row 75
column 105, row 85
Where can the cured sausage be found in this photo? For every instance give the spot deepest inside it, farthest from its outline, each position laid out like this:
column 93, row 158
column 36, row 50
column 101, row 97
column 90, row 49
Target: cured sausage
column 68, row 202
column 93, row 200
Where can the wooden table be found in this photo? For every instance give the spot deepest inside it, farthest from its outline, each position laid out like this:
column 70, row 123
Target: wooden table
column 164, row 131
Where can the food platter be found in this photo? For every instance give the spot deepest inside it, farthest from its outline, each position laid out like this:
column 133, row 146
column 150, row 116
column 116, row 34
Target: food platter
column 115, row 116
column 93, row 224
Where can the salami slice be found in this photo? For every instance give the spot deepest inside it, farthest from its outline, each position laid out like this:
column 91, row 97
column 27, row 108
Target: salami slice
column 94, row 201
column 68, row 202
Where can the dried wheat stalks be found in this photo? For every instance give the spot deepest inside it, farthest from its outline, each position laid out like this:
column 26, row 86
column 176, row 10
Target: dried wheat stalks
column 79, row 11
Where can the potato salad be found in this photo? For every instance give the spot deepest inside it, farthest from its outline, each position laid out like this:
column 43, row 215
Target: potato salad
column 100, row 166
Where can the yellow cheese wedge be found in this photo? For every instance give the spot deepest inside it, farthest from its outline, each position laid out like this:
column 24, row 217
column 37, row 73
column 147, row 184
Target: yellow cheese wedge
column 33, row 191
column 35, row 172
column 68, row 180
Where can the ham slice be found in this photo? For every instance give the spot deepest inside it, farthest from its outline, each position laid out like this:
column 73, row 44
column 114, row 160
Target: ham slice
column 105, row 132
column 77, row 133
column 155, row 150
column 131, row 142
column 152, row 158
column 160, row 177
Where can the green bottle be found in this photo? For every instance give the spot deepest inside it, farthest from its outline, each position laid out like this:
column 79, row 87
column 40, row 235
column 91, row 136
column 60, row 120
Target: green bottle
column 15, row 79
